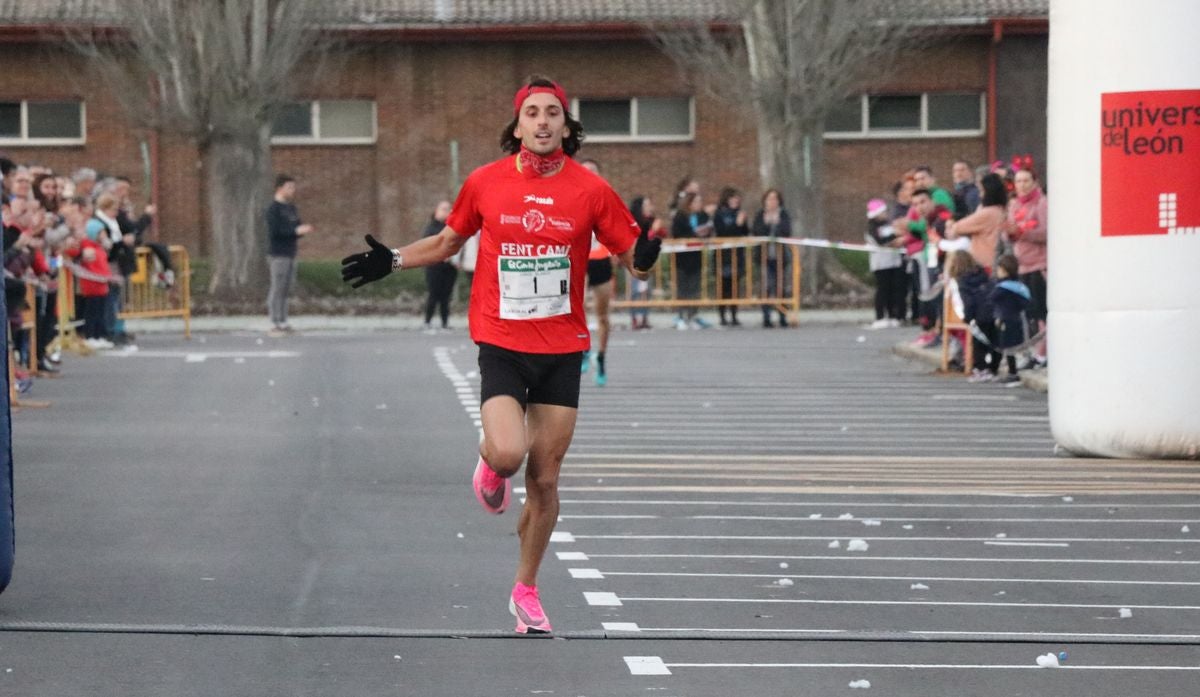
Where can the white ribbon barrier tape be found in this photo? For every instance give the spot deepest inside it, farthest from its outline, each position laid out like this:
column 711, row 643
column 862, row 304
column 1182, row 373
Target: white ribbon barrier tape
column 671, row 246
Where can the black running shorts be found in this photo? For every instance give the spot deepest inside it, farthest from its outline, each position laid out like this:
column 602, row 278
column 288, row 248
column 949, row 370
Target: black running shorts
column 538, row 378
column 599, row 271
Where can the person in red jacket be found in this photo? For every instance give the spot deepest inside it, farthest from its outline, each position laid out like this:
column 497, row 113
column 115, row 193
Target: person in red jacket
column 535, row 211
column 91, row 269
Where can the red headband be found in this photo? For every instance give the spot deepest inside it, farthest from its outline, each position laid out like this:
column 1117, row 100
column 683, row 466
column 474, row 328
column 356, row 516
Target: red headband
column 524, row 93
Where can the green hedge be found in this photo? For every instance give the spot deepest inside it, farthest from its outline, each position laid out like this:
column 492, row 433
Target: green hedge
column 856, row 263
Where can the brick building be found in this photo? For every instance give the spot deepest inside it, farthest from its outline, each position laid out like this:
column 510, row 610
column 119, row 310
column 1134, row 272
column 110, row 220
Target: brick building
column 421, row 99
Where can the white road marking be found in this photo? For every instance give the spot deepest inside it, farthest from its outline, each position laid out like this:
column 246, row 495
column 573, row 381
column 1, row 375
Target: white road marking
column 1034, row 635
column 602, row 599
column 944, row 520
column 937, row 579
column 1027, row 544
column 571, row 556
column 585, row 573
column 621, row 626
column 929, row 603
column 615, row 517
column 879, row 504
column 926, row 666
column 844, row 558
column 561, row 536
column 201, row 356
column 646, row 665
column 1056, row 541
column 746, row 630
column 465, row 393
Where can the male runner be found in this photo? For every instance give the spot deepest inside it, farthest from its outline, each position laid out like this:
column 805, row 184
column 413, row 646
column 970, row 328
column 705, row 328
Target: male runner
column 536, row 212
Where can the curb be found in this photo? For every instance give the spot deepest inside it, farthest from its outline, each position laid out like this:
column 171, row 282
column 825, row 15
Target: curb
column 1036, row 380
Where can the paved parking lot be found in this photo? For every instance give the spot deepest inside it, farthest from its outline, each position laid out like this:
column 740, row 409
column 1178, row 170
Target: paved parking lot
column 743, row 512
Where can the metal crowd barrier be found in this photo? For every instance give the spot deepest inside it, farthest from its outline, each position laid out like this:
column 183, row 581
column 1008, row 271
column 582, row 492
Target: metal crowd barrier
column 144, row 296
column 750, row 274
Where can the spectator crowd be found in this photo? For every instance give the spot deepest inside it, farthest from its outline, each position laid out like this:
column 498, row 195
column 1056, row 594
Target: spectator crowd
column 84, row 222
column 981, row 243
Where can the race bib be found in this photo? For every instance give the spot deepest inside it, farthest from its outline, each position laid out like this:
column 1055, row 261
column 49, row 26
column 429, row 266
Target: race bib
column 534, row 287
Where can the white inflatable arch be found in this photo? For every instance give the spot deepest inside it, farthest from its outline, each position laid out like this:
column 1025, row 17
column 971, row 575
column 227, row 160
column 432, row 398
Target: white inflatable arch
column 1124, row 228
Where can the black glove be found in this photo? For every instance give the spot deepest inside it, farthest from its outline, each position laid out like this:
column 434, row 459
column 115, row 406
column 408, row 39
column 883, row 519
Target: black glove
column 364, row 267
column 645, row 252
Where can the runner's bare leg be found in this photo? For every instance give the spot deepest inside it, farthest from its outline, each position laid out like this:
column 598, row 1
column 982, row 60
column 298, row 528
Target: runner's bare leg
column 602, row 294
column 550, row 429
column 504, row 445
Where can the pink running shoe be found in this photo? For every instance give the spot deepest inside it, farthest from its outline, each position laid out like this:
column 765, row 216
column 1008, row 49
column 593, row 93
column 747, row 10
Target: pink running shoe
column 527, row 608
column 492, row 490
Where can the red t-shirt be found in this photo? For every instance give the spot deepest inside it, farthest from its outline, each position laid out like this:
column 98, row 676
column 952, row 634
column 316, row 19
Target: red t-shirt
column 527, row 294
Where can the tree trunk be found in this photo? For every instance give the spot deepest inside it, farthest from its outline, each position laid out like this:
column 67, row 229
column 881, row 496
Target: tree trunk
column 237, row 174
column 794, row 157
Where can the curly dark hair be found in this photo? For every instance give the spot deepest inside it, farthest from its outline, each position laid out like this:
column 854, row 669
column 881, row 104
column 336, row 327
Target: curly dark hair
column 571, row 144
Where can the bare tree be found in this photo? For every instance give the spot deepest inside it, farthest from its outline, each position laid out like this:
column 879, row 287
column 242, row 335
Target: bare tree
column 217, row 71
column 789, row 63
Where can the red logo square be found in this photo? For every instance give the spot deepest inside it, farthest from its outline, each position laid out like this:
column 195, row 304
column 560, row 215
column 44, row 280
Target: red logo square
column 1150, row 163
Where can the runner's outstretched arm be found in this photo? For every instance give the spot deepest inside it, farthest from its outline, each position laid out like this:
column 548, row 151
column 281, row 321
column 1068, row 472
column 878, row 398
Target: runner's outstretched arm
column 379, row 261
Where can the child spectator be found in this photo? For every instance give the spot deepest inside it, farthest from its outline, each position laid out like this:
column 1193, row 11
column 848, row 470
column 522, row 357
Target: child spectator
column 93, row 273
column 887, row 264
column 971, row 294
column 1010, row 298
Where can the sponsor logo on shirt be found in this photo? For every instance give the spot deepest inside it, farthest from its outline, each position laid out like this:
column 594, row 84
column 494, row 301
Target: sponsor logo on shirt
column 541, row 200
column 533, row 220
column 565, row 224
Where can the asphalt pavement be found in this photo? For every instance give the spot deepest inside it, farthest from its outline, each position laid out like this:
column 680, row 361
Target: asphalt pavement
column 744, row 512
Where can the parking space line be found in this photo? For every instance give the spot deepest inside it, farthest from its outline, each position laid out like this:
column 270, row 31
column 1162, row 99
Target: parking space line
column 926, row 666
column 646, row 665
column 1000, row 479
column 634, row 627
column 877, row 504
column 602, row 599
column 1055, row 541
column 612, row 517
column 1122, row 487
column 898, row 459
column 859, row 519
column 1007, row 543
column 907, row 579
column 863, row 558
column 1077, row 635
column 923, row 603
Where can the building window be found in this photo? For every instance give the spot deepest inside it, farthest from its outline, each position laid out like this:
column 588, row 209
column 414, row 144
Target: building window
column 926, row 115
column 646, row 119
column 30, row 122
column 325, row 122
